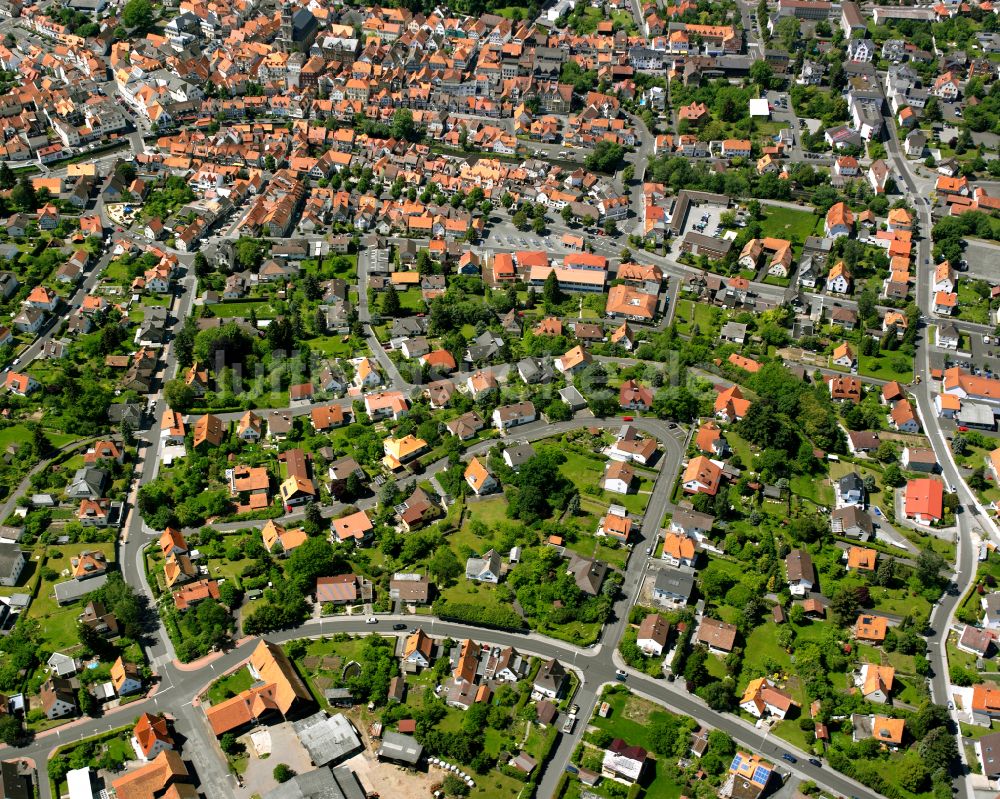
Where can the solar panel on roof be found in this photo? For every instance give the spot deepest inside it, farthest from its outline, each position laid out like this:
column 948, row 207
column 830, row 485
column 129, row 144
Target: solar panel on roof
column 761, row 775
column 736, row 763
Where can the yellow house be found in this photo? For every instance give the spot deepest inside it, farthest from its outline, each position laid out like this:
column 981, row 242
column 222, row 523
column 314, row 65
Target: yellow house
column 399, row 450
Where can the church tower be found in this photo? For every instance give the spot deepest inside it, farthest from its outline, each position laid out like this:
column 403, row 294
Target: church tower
column 286, row 31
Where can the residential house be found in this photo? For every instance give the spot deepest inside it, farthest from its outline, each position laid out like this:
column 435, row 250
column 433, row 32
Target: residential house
column 485, row 569
column 652, row 635
column 923, row 500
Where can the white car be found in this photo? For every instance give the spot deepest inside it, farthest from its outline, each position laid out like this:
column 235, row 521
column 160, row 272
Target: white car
column 371, row 620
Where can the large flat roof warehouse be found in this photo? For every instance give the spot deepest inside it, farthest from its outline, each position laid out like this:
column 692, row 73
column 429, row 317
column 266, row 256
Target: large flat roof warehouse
column 759, row 107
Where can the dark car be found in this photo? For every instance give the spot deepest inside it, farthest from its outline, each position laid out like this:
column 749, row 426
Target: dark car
column 790, row 758
column 815, row 762
column 399, row 626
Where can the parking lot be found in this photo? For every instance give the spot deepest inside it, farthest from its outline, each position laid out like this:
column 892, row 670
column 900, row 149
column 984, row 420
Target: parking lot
column 981, row 256
column 268, row 746
column 704, row 219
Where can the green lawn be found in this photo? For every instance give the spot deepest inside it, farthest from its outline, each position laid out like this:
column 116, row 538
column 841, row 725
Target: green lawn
column 488, row 511
column 884, row 368
column 242, row 309
column 117, row 272
column 230, row 686
column 331, row 346
column 971, row 306
column 813, row 487
column 786, row 223
column 344, row 266
column 513, row 12
column 472, row 592
column 630, row 718
column 411, row 300
column 17, row 433
column 688, row 312
column 789, row 731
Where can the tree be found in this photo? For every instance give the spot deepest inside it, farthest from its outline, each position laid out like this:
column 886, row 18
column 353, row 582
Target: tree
column 929, row 567
column 282, row 773
column 718, row 697
column 179, row 396
column 250, row 252
column 390, row 301
column 566, row 213
column 929, row 716
column 454, row 786
column 551, row 293
column 402, row 126
column 538, row 225
column 845, row 606
column 787, row 31
column 695, row 670
column 886, row 571
column 7, row 179
column 938, row 749
column 893, row 476
column 229, row 744
column 24, row 197
column 11, row 732
column 762, row 74
column 558, row 411
column 520, row 219
column 87, row 701
column 137, row 14
column 202, row 268
column 604, row 157
column 444, row 565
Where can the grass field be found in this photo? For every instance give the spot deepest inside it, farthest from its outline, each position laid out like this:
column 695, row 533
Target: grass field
column 488, row 511
column 688, row 313
column 411, row 300
column 630, row 718
column 17, row 433
column 230, row 686
column 971, row 306
column 331, row 346
column 787, row 223
column 225, row 310
column 813, row 487
column 884, row 369
column 513, row 12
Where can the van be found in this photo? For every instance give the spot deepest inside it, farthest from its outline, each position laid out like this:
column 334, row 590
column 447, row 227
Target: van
column 834, row 458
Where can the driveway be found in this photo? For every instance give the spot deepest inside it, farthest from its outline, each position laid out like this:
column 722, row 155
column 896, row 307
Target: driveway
column 267, row 747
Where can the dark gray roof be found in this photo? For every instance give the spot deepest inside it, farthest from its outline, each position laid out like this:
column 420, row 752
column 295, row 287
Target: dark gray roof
column 318, row 784
column 519, row 453
column 401, row 748
column 327, row 738
column 74, row 589
column 10, row 556
column 675, row 582
column 851, row 482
